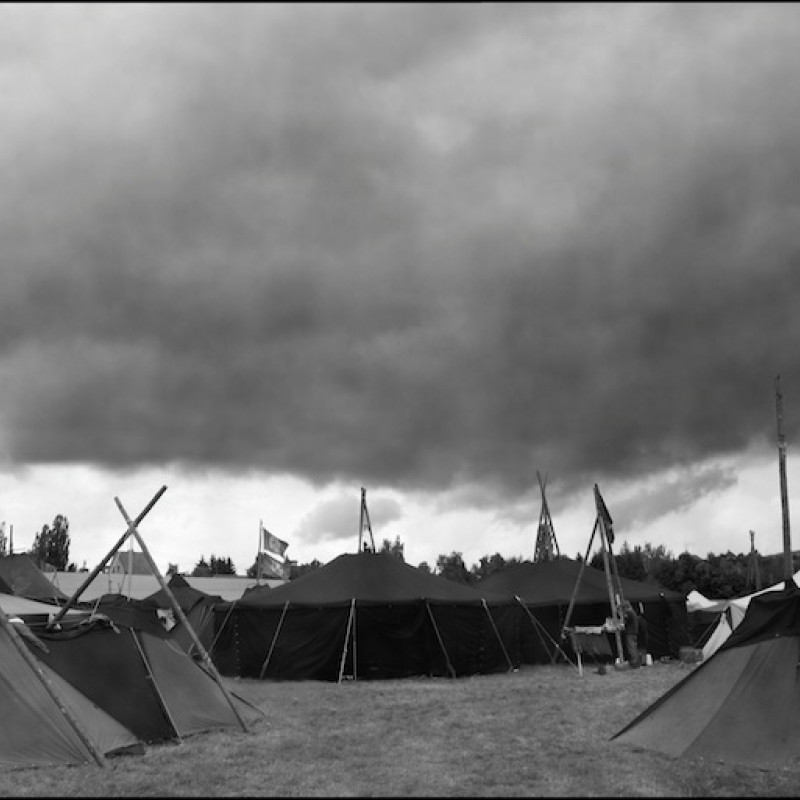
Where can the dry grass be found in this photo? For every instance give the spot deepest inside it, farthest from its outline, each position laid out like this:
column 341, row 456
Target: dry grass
column 543, row 731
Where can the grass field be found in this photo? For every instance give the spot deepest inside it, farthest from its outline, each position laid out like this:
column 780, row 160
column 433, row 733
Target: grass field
column 542, row 731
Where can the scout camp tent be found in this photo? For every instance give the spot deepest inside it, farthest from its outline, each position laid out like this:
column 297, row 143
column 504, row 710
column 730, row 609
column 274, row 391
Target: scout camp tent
column 365, row 615
column 545, row 589
column 47, row 721
column 717, row 619
column 156, row 613
column 740, row 706
column 24, row 578
column 137, row 675
column 30, row 611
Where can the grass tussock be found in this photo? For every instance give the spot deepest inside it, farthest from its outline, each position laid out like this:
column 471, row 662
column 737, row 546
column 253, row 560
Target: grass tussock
column 542, row 731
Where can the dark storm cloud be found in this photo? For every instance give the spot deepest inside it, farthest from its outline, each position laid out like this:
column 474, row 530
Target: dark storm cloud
column 412, row 246
column 674, row 494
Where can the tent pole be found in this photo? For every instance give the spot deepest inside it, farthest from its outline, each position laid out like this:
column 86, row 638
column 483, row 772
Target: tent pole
column 441, row 642
column 209, row 664
column 355, row 641
column 497, row 634
column 258, row 554
column 615, row 573
column 539, row 628
column 346, row 638
column 30, row 659
column 611, row 596
column 221, row 627
column 96, row 571
column 272, row 643
column 578, row 581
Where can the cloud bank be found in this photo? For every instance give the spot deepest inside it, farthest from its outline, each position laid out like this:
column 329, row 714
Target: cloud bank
column 418, row 247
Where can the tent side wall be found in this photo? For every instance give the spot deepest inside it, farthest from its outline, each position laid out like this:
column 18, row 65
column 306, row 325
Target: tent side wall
column 192, row 697
column 308, row 646
column 35, row 732
column 107, row 667
column 737, row 707
column 392, row 640
column 471, row 638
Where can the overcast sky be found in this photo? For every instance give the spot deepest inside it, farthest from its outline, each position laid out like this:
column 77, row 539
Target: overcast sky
column 268, row 254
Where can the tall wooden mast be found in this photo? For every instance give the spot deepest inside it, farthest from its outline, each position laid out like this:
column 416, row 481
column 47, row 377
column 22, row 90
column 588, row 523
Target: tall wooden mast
column 753, row 574
column 364, row 523
column 546, row 542
column 787, row 540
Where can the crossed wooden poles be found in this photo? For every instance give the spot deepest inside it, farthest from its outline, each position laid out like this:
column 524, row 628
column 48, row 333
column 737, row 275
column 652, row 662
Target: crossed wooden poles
column 132, row 531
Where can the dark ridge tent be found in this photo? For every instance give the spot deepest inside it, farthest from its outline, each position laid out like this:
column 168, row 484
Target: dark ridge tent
column 132, row 671
column 24, row 578
column 741, row 705
column 39, row 729
column 545, row 589
column 156, row 613
column 365, row 616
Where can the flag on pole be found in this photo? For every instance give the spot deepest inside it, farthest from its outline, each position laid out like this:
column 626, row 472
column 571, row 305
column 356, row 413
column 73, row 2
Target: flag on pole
column 602, row 512
column 272, row 568
column 272, row 543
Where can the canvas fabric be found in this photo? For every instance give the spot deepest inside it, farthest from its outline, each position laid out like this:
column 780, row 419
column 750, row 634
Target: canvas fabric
column 405, row 623
column 35, row 732
column 740, row 705
column 141, row 679
column 20, row 576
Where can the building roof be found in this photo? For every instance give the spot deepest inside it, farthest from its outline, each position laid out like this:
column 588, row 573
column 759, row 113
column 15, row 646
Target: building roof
column 130, row 562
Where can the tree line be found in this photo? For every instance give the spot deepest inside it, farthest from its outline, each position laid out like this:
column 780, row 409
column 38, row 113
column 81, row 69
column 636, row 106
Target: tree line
column 718, row 576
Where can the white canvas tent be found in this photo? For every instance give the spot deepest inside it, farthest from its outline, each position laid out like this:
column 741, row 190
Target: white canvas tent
column 731, row 613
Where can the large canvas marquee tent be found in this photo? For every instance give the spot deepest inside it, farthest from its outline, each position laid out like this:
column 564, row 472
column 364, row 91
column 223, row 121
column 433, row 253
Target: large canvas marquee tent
column 366, row 615
column 741, row 706
column 545, row 588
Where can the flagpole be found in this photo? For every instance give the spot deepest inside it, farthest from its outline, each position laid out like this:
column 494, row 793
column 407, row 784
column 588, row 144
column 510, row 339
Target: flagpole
column 788, row 568
column 258, row 557
column 600, row 505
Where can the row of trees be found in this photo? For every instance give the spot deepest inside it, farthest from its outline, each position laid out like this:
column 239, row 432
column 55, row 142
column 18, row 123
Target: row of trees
column 719, row 576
